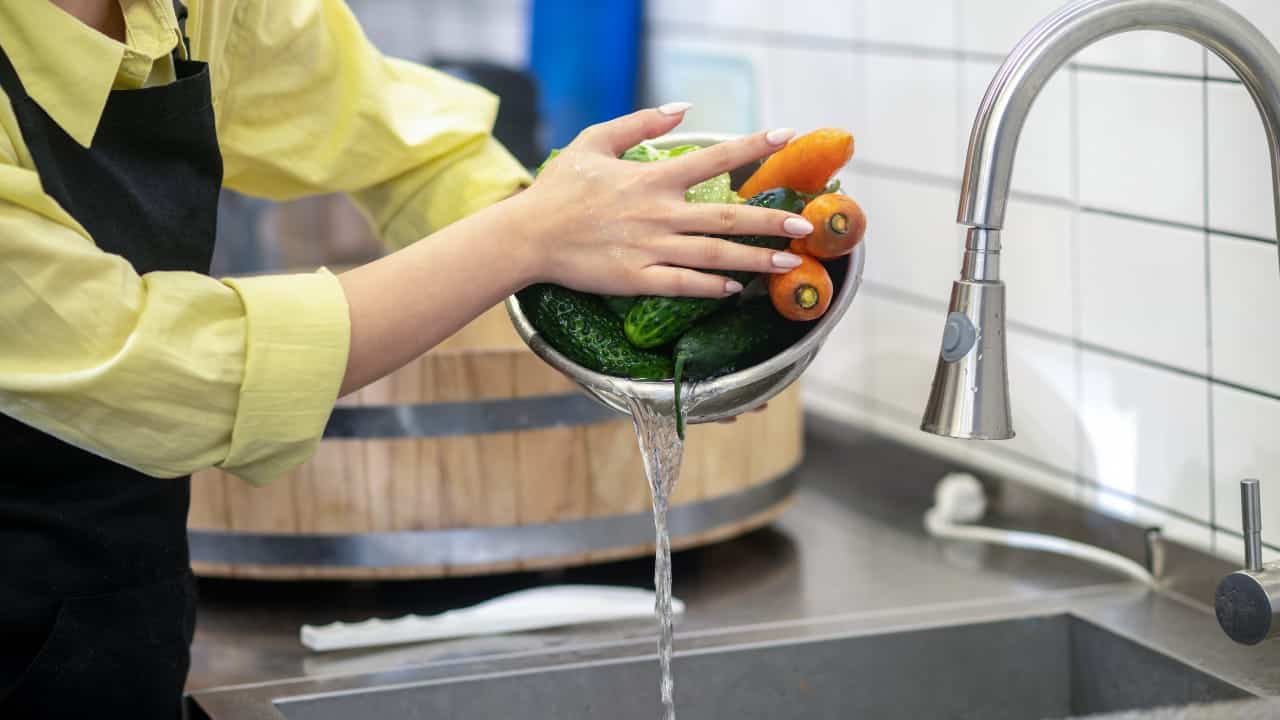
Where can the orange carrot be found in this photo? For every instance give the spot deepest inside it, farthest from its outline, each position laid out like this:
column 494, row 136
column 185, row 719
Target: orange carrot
column 838, row 223
column 804, row 165
column 803, row 293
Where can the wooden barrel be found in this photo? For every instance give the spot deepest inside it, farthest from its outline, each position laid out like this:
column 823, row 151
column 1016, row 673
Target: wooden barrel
column 479, row 458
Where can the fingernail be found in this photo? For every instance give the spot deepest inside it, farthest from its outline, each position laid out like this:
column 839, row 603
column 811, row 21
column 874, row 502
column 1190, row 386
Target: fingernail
column 779, row 136
column 786, row 260
column 674, row 108
column 797, row 226
column 732, row 286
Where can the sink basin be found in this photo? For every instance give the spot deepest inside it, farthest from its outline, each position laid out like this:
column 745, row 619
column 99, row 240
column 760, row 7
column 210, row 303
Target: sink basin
column 1039, row 667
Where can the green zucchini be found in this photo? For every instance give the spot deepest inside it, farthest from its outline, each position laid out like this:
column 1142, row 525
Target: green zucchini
column 734, row 339
column 584, row 330
column 656, row 321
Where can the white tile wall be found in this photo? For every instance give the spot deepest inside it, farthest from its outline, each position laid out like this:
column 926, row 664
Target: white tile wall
column 1146, row 433
column 1143, row 290
column 838, row 19
column 1230, row 547
column 1131, row 160
column 1245, row 297
column 1037, row 264
column 845, row 361
column 1150, row 51
column 799, row 88
column 994, row 26
column 914, row 239
column 726, row 82
column 922, row 23
column 1240, row 198
column 1141, row 145
column 1244, row 431
column 1043, row 399
column 912, row 118
column 904, row 353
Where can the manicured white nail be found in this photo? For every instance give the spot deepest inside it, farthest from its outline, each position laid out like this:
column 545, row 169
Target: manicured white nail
column 779, row 136
column 786, row 260
column 674, row 108
column 732, row 286
column 797, row 226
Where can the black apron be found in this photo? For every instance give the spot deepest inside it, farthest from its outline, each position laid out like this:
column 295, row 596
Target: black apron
column 97, row 601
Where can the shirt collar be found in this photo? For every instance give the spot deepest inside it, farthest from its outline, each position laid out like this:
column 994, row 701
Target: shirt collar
column 69, row 69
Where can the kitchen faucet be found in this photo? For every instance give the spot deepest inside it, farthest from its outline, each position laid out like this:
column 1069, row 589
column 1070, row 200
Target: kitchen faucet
column 970, row 393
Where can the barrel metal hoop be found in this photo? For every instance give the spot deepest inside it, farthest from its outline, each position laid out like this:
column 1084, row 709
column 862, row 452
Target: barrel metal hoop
column 458, row 547
column 474, row 417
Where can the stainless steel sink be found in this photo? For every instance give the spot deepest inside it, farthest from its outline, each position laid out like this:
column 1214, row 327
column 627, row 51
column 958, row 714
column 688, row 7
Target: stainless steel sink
column 798, row 622
column 1038, row 667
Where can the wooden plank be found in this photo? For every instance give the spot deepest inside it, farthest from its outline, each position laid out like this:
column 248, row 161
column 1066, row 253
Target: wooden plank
column 208, row 500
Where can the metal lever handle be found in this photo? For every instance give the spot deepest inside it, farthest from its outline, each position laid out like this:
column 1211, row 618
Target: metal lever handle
column 1247, row 602
column 1251, row 521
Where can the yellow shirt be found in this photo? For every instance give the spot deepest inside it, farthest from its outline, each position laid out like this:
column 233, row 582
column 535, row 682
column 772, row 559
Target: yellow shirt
column 171, row 372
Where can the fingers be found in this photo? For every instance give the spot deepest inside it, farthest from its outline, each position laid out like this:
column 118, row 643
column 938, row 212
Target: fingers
column 708, row 253
column 726, row 156
column 683, row 282
column 616, row 136
column 722, row 219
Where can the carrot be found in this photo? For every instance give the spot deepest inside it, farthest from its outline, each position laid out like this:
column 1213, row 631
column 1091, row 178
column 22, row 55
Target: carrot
column 839, row 224
column 804, row 165
column 803, row 293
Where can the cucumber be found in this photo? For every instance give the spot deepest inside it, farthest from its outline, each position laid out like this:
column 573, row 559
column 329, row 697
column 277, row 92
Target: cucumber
column 655, row 321
column 581, row 327
column 736, row 338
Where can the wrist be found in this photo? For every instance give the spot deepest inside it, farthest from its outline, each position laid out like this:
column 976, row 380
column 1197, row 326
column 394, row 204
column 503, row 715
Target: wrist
column 524, row 232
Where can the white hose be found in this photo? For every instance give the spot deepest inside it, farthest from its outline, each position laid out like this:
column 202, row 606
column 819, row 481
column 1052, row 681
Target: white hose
column 959, row 500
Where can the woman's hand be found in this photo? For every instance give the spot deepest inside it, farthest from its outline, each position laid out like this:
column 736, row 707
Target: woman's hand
column 590, row 222
column 604, row 225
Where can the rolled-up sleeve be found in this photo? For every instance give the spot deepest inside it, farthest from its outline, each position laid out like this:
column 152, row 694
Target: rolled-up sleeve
column 167, row 372
column 172, row 372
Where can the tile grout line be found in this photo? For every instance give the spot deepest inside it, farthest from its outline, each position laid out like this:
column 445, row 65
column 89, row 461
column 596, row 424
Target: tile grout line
column 1208, row 304
column 1192, row 227
column 889, row 172
column 1136, row 72
column 907, row 297
column 780, row 38
column 1077, row 354
column 901, row 415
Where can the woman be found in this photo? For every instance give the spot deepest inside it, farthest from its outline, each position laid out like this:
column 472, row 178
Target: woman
column 123, row 366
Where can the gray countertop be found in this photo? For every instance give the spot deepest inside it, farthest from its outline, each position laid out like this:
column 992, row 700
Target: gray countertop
column 851, row 546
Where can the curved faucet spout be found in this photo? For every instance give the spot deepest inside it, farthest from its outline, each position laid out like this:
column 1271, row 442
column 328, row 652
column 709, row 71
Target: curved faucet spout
column 970, row 394
column 1057, row 38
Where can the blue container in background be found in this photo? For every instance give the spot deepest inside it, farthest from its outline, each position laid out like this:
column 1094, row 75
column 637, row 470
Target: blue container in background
column 586, row 58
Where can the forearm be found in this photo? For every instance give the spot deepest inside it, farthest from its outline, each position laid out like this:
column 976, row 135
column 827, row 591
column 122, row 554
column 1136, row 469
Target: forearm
column 591, row 222
column 406, row 303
